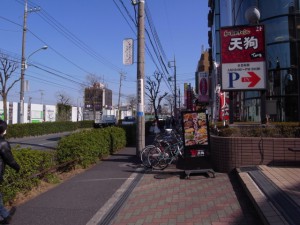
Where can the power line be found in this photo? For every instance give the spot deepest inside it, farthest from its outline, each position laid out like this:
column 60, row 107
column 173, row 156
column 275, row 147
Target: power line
column 156, row 49
column 44, row 15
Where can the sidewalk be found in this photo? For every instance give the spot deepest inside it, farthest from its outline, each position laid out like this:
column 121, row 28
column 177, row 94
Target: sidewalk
column 117, row 191
column 167, row 198
column 274, row 191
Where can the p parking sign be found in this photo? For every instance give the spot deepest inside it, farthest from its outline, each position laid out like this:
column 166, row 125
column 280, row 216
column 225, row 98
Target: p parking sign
column 243, row 58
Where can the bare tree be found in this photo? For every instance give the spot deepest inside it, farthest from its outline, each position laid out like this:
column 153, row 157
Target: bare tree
column 63, row 107
column 152, row 91
column 63, row 98
column 7, row 69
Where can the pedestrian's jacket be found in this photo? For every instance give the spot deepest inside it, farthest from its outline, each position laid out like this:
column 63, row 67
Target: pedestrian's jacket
column 6, row 157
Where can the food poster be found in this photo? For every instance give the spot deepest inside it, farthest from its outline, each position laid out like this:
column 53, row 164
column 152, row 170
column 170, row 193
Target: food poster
column 195, row 132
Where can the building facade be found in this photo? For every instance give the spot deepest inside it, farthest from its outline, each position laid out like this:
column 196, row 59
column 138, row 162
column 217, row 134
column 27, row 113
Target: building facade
column 97, row 97
column 281, row 19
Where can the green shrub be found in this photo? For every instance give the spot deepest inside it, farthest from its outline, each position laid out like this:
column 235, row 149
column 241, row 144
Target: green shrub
column 84, row 147
column 81, row 146
column 88, row 146
column 118, row 138
column 32, row 162
column 287, row 130
column 35, row 129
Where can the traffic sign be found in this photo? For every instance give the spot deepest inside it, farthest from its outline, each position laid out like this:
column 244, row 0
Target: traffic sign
column 243, row 76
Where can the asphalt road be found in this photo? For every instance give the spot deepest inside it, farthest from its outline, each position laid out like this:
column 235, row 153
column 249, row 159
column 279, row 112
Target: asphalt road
column 44, row 142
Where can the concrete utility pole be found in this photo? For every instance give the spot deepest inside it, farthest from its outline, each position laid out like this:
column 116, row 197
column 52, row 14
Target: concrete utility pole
column 140, row 78
column 23, row 62
column 175, row 87
column 122, row 76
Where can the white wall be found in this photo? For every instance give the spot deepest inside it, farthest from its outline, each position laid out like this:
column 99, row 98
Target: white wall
column 74, row 114
column 37, row 113
column 40, row 113
column 50, row 113
column 15, row 113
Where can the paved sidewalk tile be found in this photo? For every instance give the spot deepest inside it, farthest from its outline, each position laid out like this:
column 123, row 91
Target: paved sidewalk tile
column 286, row 189
column 199, row 200
column 287, row 179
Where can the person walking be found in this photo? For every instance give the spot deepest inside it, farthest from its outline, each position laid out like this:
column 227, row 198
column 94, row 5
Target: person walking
column 6, row 158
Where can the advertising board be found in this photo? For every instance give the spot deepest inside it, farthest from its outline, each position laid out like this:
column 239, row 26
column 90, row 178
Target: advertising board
column 195, row 133
column 243, row 58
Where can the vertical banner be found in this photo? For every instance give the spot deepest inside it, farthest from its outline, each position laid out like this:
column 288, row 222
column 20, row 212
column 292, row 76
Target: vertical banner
column 203, row 96
column 185, row 94
column 128, row 51
column 189, row 98
column 224, row 105
column 217, row 103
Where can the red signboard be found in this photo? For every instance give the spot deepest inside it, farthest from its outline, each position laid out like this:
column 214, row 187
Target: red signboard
column 243, row 57
column 203, row 87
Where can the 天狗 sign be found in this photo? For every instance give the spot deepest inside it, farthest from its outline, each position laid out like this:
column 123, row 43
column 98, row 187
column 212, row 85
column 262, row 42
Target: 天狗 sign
column 243, row 58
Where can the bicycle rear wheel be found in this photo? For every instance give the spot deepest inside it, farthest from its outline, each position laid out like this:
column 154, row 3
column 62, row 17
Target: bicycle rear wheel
column 154, row 157
column 144, row 155
column 159, row 159
column 165, row 160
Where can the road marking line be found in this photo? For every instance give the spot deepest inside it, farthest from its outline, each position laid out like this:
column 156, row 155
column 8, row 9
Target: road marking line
column 111, row 202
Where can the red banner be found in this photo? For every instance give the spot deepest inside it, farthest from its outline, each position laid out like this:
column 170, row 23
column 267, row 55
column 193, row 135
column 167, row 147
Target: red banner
column 224, row 106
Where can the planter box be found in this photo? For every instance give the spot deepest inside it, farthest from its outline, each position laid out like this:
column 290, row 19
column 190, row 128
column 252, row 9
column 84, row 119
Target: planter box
column 228, row 153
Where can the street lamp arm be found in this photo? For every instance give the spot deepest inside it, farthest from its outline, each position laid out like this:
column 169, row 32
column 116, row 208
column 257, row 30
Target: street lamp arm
column 42, row 48
column 23, row 68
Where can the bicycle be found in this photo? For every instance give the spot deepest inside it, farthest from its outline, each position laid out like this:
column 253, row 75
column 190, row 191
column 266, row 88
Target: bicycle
column 161, row 142
column 159, row 159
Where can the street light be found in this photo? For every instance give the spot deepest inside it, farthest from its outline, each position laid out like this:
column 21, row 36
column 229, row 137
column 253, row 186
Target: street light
column 23, row 68
column 42, row 48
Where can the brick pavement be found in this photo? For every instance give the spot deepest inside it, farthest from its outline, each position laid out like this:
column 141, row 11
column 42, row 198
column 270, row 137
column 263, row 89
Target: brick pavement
column 197, row 201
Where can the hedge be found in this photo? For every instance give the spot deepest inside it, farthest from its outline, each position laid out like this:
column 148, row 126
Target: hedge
column 276, row 130
column 32, row 162
column 35, row 129
column 81, row 148
column 89, row 146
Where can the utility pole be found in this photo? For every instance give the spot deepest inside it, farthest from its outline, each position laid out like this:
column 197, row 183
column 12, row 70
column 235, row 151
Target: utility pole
column 23, row 61
column 179, row 98
column 175, row 87
column 140, row 78
column 122, row 76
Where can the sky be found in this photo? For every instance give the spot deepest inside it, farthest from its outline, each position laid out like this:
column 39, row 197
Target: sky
column 86, row 37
